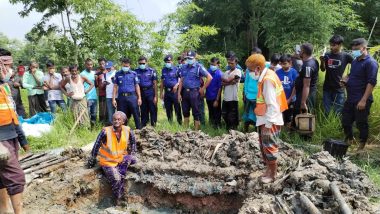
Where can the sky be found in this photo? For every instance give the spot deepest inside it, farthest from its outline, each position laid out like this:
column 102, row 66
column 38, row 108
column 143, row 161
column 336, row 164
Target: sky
column 15, row 27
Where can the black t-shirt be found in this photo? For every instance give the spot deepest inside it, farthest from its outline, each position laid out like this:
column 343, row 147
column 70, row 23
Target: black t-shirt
column 310, row 70
column 335, row 65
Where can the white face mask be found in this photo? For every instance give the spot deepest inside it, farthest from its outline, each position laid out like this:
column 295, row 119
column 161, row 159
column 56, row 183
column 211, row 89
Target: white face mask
column 254, row 76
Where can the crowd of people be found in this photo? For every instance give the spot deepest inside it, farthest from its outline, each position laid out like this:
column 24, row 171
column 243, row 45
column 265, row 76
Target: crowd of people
column 273, row 94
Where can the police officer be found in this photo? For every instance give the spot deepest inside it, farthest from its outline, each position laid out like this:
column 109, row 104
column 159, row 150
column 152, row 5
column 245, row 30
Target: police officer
column 169, row 88
column 190, row 90
column 148, row 85
column 126, row 86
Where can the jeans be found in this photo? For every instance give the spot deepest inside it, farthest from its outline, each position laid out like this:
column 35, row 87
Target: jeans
column 333, row 101
column 103, row 116
column 53, row 105
column 92, row 106
column 110, row 109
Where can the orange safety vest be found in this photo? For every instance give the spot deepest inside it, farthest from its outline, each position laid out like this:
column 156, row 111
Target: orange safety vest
column 7, row 107
column 113, row 151
column 261, row 107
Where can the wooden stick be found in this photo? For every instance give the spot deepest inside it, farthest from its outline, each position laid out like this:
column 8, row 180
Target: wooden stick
column 217, row 147
column 36, row 161
column 310, row 207
column 77, row 121
column 45, row 165
column 34, row 156
column 27, row 156
column 282, row 205
column 344, row 208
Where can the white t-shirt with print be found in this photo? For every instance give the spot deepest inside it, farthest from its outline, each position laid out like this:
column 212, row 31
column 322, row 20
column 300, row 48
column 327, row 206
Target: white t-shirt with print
column 56, row 80
column 109, row 87
column 231, row 91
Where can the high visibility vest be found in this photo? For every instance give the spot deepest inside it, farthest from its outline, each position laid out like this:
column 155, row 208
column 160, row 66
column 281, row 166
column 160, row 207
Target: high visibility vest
column 113, row 151
column 261, row 106
column 7, row 107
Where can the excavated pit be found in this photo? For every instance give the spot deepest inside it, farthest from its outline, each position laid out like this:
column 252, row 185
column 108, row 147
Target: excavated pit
column 190, row 172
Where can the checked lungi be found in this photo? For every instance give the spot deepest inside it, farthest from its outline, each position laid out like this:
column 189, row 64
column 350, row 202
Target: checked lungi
column 269, row 144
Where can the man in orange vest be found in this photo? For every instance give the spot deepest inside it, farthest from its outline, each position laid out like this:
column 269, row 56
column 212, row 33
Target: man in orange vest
column 115, row 148
column 270, row 103
column 12, row 178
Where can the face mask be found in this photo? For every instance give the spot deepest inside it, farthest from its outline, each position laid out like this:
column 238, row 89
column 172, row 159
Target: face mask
column 356, row 53
column 142, row 67
column 213, row 67
column 254, row 76
column 190, row 61
column 168, row 65
column 125, row 69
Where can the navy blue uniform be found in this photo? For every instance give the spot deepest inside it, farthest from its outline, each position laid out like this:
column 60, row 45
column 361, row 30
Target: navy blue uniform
column 170, row 78
column 127, row 98
column 148, row 108
column 191, row 76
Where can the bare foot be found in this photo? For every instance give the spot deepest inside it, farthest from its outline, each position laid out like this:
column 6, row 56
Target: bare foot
column 267, row 180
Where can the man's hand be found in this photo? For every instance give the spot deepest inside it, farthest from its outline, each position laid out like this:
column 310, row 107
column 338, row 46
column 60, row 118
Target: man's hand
column 175, row 88
column 215, row 104
column 162, row 96
column 289, row 101
column 70, row 94
column 139, row 101
column 322, row 58
column 114, row 103
column 304, row 106
column 361, row 105
column 16, row 84
column 91, row 161
column 179, row 97
column 202, row 92
column 155, row 100
column 343, row 81
column 4, row 154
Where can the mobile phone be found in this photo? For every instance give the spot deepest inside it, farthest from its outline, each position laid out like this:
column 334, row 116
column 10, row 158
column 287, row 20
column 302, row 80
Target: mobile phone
column 298, row 49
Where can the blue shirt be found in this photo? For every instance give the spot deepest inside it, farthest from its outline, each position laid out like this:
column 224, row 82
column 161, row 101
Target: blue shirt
column 126, row 81
column 146, row 77
column 288, row 80
column 170, row 76
column 215, row 84
column 362, row 72
column 192, row 74
column 90, row 76
column 250, row 87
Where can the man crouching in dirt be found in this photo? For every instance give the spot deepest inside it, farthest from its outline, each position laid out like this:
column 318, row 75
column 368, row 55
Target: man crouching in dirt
column 115, row 147
column 12, row 178
column 270, row 103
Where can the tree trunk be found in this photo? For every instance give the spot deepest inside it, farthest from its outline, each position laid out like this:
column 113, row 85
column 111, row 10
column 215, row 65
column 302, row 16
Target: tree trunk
column 73, row 36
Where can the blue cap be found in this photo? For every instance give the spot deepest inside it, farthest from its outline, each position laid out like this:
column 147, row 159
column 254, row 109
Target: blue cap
column 191, row 54
column 168, row 57
column 109, row 64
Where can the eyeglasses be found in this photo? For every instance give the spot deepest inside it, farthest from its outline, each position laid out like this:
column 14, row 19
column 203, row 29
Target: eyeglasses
column 142, row 63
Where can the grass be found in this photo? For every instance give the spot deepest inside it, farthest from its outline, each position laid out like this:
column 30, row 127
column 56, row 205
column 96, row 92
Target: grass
column 327, row 127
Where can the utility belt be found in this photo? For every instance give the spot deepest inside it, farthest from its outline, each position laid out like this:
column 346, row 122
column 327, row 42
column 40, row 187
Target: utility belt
column 191, row 89
column 169, row 89
column 146, row 88
column 128, row 94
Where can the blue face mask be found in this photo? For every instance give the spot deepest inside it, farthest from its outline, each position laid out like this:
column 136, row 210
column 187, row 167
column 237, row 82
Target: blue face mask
column 213, row 67
column 168, row 65
column 189, row 61
column 142, row 66
column 125, row 69
column 356, row 53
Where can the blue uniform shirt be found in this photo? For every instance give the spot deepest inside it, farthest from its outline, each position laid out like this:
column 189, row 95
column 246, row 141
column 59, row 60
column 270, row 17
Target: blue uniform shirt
column 215, row 84
column 91, row 95
column 170, row 76
column 192, row 74
column 126, row 81
column 146, row 77
column 363, row 72
column 288, row 80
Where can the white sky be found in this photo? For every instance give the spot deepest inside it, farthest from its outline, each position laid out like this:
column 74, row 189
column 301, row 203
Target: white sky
column 15, row 27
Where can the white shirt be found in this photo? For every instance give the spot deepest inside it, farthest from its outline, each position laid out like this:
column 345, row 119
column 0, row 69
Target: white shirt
column 109, row 87
column 56, row 80
column 231, row 91
column 273, row 114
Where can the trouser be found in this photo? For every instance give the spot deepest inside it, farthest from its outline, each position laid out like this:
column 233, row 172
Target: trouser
column 110, row 109
column 190, row 100
column 129, row 105
column 19, row 106
column 92, row 106
column 288, row 114
column 230, row 114
column 12, row 177
column 37, row 104
column 269, row 144
column 103, row 116
column 351, row 114
column 333, row 100
column 116, row 175
column 214, row 113
column 53, row 105
column 148, row 108
column 170, row 101
column 202, row 110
